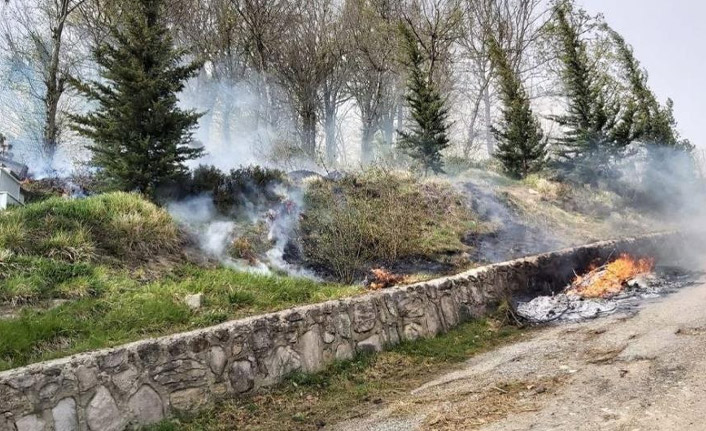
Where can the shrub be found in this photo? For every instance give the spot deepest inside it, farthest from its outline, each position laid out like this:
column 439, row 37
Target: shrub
column 377, row 218
column 251, row 185
column 205, row 179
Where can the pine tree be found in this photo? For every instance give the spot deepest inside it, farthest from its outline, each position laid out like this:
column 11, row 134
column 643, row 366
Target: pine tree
column 428, row 134
column 591, row 135
column 141, row 138
column 650, row 121
column 521, row 148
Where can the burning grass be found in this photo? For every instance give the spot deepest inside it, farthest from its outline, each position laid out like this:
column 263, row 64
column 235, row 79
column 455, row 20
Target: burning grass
column 378, row 218
column 348, row 389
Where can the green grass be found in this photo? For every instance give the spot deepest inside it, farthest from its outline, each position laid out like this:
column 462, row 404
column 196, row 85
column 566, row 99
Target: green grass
column 78, row 277
column 347, row 389
column 108, row 307
column 117, row 227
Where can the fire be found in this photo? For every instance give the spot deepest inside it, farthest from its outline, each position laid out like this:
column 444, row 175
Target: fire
column 382, row 278
column 610, row 279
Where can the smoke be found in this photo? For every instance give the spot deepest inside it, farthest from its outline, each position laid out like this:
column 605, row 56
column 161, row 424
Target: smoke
column 245, row 122
column 662, row 179
column 215, row 232
column 512, row 236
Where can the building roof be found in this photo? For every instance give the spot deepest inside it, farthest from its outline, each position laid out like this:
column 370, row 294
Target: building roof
column 16, row 168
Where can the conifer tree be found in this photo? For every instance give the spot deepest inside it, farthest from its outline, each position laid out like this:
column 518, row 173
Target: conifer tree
column 521, row 148
column 141, row 138
column 427, row 136
column 650, row 121
column 590, row 121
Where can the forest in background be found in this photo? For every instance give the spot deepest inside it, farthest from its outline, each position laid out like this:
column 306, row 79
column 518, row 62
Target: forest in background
column 326, row 84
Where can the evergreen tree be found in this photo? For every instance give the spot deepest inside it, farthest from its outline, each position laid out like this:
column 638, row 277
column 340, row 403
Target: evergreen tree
column 521, row 148
column 141, row 139
column 428, row 134
column 649, row 120
column 591, row 135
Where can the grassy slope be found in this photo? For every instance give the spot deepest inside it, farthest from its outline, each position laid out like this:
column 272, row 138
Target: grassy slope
column 67, row 291
column 72, row 273
column 574, row 214
column 379, row 218
column 347, row 389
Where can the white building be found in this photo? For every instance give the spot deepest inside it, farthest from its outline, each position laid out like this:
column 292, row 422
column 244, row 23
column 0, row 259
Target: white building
column 10, row 189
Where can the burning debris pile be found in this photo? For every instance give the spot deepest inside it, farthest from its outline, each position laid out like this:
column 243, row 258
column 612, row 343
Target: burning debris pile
column 616, row 285
column 610, row 279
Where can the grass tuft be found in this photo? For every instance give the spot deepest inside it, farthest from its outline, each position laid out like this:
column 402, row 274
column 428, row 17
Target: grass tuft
column 104, row 227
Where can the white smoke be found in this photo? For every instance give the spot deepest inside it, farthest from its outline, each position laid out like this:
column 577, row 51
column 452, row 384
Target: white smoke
column 215, row 232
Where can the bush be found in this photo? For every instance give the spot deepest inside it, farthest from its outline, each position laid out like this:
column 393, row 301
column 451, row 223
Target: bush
column 248, row 186
column 377, row 218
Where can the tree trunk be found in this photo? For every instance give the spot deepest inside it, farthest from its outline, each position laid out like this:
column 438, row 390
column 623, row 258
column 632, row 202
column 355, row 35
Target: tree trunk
column 309, row 133
column 366, row 143
column 400, row 116
column 489, row 141
column 55, row 84
column 330, row 132
column 469, row 141
column 51, row 129
column 388, row 129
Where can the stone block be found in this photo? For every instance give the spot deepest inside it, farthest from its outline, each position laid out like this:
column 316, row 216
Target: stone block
column 30, row 423
column 188, row 400
column 181, row 374
column 281, row 362
column 372, row 344
column 242, row 376
column 102, row 413
column 217, row 360
column 146, row 406
column 310, row 350
column 364, row 316
column 64, row 415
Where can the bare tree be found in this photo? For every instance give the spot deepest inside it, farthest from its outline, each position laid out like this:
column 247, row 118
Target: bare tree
column 517, row 26
column 333, row 93
column 436, row 25
column 36, row 32
column 302, row 64
column 262, row 27
column 371, row 26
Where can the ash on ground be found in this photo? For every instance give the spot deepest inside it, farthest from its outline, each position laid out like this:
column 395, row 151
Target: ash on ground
column 572, row 307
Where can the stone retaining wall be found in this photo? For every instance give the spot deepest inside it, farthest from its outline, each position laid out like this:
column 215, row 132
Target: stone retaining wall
column 143, row 382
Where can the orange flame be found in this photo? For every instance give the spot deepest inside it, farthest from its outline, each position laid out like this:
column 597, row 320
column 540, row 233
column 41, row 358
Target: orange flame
column 383, row 278
column 610, row 279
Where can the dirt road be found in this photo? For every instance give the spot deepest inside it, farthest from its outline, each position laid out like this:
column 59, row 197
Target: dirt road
column 641, row 372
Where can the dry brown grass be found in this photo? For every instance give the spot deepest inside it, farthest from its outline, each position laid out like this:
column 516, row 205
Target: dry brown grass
column 377, row 218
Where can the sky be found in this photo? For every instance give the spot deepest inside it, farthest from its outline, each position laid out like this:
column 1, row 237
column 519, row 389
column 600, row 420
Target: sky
column 669, row 39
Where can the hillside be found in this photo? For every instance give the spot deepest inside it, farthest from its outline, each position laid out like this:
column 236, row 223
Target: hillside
column 80, row 274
